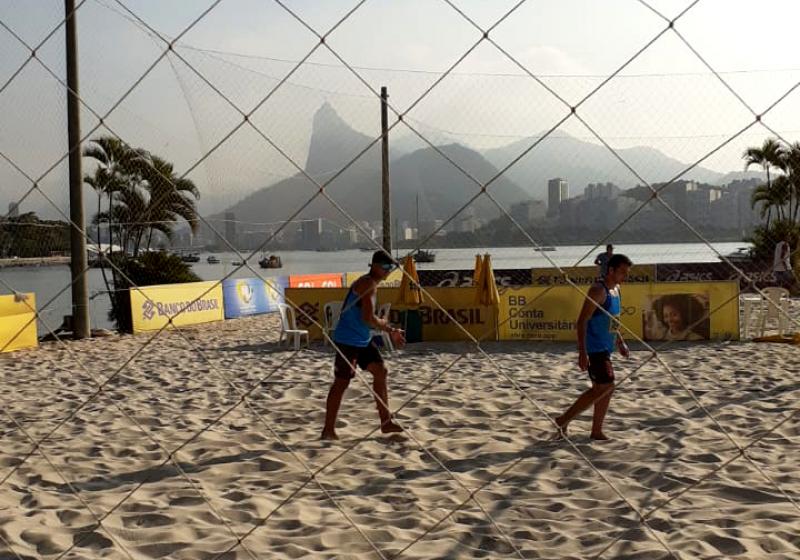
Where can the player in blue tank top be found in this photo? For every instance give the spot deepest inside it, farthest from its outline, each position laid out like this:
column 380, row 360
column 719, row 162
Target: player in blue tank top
column 353, row 344
column 598, row 336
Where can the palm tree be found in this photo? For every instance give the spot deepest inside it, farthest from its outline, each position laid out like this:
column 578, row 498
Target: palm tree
column 790, row 165
column 170, row 199
column 116, row 163
column 769, row 155
column 761, row 196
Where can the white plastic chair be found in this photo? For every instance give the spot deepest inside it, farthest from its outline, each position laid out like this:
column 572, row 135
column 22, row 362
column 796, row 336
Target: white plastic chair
column 775, row 305
column 289, row 327
column 383, row 313
column 750, row 302
column 331, row 312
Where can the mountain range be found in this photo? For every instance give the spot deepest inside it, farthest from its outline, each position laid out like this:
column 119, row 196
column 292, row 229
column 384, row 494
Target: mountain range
column 441, row 187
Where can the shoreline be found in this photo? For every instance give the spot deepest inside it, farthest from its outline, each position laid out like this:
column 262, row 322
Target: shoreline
column 34, row 262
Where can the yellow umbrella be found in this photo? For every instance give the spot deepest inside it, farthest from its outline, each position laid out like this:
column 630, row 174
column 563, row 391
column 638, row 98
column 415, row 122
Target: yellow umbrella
column 409, row 285
column 488, row 288
column 476, row 276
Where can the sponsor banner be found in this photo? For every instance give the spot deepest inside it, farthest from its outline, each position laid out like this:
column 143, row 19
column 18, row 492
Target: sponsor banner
column 478, row 320
column 463, row 278
column 18, row 322
column 251, row 296
column 587, row 275
column 391, row 281
column 761, row 273
column 436, row 325
column 333, row 280
column 655, row 311
column 187, row 304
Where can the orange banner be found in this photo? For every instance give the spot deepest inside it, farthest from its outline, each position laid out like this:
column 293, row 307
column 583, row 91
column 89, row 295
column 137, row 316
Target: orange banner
column 316, row 280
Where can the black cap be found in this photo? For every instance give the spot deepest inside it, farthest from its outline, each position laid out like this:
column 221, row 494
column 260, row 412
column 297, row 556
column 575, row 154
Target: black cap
column 381, row 257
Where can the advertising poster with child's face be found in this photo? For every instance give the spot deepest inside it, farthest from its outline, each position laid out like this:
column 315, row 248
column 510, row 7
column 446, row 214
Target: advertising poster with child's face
column 676, row 316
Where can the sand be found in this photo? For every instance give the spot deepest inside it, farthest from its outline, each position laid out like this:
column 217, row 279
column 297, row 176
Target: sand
column 239, row 460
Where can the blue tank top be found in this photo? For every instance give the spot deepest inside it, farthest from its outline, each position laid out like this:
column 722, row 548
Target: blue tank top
column 601, row 330
column 351, row 328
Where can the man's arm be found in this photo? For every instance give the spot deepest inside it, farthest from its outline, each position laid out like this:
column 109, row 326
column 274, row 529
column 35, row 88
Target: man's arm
column 596, row 297
column 622, row 346
column 364, row 292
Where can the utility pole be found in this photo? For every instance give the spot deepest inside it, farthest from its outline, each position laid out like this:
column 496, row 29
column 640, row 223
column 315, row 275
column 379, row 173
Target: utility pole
column 387, row 201
column 77, row 240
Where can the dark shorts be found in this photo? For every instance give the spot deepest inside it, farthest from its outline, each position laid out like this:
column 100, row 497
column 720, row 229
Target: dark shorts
column 601, row 370
column 345, row 367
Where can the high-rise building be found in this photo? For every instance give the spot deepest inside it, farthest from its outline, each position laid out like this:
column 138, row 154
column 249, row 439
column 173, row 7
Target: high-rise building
column 601, row 191
column 311, row 232
column 13, row 210
column 557, row 192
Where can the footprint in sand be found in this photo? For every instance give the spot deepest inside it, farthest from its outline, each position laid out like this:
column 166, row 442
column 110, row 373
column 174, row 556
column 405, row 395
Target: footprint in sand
column 147, row 520
column 43, row 543
column 727, row 546
column 161, row 550
column 91, row 539
column 186, row 501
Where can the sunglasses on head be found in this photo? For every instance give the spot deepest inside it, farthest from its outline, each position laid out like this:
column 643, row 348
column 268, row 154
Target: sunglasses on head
column 387, row 267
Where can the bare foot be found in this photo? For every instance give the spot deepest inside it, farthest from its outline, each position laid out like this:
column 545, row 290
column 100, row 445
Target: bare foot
column 600, row 437
column 561, row 432
column 391, row 428
column 329, row 436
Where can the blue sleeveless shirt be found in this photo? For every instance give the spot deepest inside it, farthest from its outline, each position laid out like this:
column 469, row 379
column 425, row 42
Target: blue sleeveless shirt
column 601, row 330
column 351, row 328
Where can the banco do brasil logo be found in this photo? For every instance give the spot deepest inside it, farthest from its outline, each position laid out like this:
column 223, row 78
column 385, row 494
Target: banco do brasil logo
column 245, row 291
column 148, row 309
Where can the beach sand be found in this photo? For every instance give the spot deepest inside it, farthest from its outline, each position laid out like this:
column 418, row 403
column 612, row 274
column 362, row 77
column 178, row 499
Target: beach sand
column 238, row 460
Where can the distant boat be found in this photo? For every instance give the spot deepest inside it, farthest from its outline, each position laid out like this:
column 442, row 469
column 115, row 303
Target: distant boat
column 366, row 249
column 273, row 261
column 423, row 256
column 212, row 260
column 547, row 248
column 237, row 263
column 189, row 257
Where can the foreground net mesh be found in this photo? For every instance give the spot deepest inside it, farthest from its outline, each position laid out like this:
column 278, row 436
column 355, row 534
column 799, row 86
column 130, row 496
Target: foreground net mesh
column 124, row 450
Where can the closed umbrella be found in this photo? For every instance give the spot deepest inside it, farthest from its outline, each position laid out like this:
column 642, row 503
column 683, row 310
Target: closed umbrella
column 476, row 276
column 488, row 288
column 409, row 285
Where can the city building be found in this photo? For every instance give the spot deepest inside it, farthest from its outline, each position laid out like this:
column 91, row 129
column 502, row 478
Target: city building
column 310, row 234
column 528, row 211
column 557, row 192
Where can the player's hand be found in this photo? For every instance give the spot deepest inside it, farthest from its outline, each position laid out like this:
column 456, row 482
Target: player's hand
column 623, row 349
column 398, row 337
column 583, row 361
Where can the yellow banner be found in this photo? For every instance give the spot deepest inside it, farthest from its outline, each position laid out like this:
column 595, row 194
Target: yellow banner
column 391, row 281
column 18, row 322
column 459, row 303
column 587, row 275
column 653, row 312
column 152, row 306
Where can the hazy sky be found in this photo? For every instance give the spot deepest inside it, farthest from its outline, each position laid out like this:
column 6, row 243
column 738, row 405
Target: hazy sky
column 666, row 98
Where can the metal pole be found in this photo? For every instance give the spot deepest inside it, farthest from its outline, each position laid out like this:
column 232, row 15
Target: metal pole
column 387, row 201
column 80, row 291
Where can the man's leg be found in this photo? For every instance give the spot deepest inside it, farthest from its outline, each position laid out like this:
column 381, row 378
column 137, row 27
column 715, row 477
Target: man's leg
column 587, row 398
column 600, row 409
column 342, row 371
column 379, row 373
